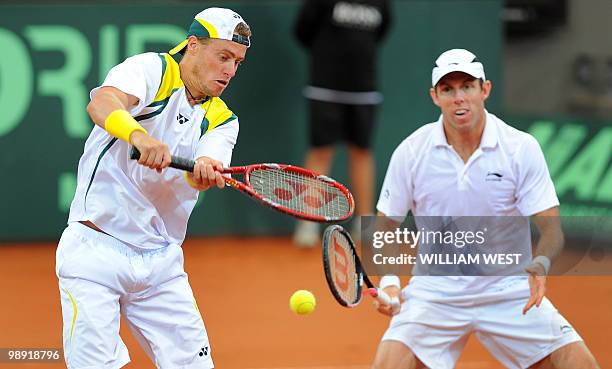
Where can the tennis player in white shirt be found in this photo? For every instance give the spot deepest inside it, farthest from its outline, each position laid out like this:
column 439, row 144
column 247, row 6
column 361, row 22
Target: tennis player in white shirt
column 121, row 252
column 441, row 170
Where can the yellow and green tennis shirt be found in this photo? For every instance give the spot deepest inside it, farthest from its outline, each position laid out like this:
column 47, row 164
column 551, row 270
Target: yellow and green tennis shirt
column 133, row 203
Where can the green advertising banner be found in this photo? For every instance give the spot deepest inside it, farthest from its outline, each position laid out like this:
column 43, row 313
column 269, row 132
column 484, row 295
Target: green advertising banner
column 53, row 55
column 579, row 156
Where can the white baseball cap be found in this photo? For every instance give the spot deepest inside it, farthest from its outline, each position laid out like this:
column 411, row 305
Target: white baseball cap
column 456, row 60
column 214, row 23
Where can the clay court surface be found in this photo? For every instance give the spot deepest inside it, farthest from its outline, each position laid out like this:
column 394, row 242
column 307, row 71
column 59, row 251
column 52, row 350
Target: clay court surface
column 242, row 286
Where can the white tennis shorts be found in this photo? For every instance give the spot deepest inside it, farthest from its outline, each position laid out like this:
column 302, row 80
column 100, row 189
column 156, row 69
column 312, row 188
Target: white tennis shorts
column 100, row 278
column 437, row 332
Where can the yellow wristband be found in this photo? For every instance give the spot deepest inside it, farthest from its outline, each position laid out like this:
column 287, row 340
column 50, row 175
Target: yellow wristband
column 121, row 124
column 190, row 182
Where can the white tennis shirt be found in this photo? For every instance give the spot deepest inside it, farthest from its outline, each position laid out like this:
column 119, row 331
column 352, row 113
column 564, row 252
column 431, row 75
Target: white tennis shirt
column 506, row 176
column 131, row 202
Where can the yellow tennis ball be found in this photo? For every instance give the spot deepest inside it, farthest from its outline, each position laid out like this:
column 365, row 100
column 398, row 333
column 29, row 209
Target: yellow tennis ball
column 302, row 302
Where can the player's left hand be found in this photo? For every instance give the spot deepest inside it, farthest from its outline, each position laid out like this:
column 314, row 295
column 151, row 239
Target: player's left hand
column 393, row 309
column 206, row 173
column 537, row 285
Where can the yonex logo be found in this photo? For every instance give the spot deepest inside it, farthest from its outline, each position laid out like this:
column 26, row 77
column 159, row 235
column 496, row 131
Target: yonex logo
column 182, row 119
column 203, row 351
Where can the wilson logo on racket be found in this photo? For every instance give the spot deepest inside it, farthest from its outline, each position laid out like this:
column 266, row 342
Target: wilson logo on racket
column 315, row 198
column 341, row 263
column 344, row 273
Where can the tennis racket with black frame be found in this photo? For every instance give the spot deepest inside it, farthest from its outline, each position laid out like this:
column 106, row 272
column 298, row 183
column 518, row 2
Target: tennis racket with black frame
column 289, row 189
column 343, row 270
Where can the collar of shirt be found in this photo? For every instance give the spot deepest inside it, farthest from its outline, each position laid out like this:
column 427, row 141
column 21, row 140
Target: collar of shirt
column 489, row 136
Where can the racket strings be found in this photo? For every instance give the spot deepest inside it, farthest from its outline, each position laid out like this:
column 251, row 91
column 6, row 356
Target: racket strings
column 300, row 193
column 343, row 268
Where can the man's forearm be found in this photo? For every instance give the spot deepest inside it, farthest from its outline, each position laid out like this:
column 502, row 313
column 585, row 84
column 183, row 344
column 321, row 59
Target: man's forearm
column 550, row 244
column 551, row 240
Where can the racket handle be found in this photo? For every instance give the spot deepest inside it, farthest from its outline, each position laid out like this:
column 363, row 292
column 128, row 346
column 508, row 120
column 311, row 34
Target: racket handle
column 176, row 162
column 380, row 295
column 385, row 299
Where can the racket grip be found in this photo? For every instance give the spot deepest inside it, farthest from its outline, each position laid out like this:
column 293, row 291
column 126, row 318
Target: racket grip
column 176, row 162
column 385, row 299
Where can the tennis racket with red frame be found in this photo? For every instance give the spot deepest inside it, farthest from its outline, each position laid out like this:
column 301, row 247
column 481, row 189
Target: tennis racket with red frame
column 344, row 272
column 291, row 190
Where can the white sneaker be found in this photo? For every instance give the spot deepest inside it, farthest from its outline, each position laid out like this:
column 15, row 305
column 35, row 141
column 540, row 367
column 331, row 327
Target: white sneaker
column 306, row 234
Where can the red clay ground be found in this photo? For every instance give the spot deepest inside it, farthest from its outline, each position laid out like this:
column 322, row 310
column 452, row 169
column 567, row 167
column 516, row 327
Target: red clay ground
column 243, row 286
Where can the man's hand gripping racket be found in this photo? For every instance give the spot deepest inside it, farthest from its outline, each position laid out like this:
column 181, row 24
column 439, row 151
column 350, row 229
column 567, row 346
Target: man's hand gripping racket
column 344, row 272
column 291, row 190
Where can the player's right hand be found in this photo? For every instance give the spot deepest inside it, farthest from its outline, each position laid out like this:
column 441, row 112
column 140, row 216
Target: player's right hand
column 206, row 173
column 153, row 153
column 394, row 308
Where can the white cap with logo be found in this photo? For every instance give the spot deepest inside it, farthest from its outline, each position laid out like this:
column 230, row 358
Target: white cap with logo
column 214, row 23
column 457, row 60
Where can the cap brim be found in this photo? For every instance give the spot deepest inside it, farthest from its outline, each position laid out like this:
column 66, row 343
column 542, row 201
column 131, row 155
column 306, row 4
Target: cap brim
column 178, row 47
column 475, row 70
